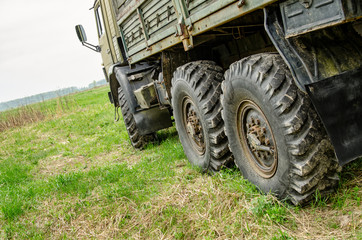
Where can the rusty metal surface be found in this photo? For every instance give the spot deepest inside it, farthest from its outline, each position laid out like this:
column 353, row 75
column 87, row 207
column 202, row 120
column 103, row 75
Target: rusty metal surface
column 191, row 121
column 170, row 61
column 257, row 139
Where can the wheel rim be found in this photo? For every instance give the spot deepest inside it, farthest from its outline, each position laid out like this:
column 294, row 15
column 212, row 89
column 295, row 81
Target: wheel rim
column 257, row 139
column 192, row 124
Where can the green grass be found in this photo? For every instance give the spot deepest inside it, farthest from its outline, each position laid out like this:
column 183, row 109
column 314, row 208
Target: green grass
column 75, row 175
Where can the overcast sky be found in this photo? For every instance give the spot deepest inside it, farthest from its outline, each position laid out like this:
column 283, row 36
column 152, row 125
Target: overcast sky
column 39, row 50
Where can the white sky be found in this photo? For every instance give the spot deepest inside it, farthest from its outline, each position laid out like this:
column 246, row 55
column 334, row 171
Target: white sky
column 39, row 49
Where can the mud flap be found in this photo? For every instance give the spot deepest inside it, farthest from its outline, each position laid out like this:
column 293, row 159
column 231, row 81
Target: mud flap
column 148, row 120
column 151, row 120
column 338, row 101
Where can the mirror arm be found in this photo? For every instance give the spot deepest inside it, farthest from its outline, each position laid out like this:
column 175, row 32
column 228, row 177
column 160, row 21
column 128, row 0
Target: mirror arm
column 91, row 46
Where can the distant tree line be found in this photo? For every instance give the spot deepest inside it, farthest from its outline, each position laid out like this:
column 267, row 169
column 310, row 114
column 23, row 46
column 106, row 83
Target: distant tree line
column 47, row 95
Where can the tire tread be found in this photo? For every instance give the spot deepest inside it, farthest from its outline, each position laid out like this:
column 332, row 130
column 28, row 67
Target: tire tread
column 205, row 78
column 138, row 141
column 313, row 164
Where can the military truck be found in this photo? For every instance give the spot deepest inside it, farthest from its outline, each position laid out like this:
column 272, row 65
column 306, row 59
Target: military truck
column 274, row 86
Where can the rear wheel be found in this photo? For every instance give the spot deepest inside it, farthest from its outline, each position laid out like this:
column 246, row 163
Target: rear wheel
column 277, row 139
column 196, row 89
column 138, row 141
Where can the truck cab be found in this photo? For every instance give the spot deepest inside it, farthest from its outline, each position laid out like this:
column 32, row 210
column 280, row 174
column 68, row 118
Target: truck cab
column 107, row 34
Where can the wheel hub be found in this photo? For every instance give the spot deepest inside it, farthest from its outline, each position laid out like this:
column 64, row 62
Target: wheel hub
column 193, row 126
column 257, row 139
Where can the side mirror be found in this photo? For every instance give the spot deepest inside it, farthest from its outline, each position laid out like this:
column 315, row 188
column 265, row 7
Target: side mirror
column 81, row 33
column 83, row 39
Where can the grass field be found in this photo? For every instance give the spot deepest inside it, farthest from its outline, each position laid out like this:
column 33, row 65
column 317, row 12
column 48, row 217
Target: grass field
column 73, row 174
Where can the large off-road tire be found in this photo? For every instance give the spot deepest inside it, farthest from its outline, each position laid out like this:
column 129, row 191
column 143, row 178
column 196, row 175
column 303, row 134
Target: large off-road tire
column 196, row 89
column 276, row 136
column 138, row 141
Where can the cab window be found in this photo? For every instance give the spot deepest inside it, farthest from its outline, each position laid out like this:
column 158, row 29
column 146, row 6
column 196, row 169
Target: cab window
column 99, row 19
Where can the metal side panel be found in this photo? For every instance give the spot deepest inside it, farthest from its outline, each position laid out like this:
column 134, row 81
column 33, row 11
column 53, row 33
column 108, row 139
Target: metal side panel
column 211, row 15
column 195, row 6
column 119, row 3
column 309, row 15
column 132, row 32
column 300, row 17
column 200, row 9
column 144, row 23
column 338, row 101
column 158, row 15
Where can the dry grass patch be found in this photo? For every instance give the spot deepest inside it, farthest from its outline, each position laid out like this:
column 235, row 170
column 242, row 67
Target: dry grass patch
column 203, row 207
column 20, row 117
column 328, row 224
column 73, row 218
column 190, row 209
column 59, row 164
column 192, row 206
column 125, row 154
column 36, row 112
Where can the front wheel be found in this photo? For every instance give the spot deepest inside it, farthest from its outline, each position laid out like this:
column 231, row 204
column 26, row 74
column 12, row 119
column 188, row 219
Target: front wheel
column 276, row 136
column 138, row 141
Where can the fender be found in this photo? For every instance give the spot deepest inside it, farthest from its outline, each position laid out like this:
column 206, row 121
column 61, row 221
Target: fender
column 149, row 120
column 115, row 83
column 121, row 75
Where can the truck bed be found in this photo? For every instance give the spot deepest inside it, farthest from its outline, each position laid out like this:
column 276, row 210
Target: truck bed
column 150, row 26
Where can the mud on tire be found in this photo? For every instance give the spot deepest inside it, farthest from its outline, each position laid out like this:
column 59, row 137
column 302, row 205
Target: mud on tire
column 196, row 89
column 303, row 157
column 138, row 141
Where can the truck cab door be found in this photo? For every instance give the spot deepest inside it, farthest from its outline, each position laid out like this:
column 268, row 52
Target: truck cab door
column 103, row 39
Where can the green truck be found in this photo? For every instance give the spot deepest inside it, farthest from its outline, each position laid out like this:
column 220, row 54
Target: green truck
column 274, row 86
